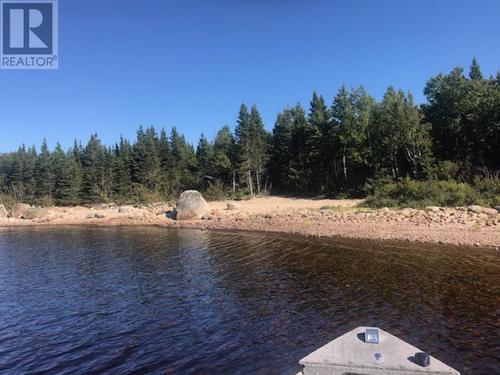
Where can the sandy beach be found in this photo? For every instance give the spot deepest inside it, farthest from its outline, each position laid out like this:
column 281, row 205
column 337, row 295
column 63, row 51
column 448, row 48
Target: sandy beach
column 323, row 217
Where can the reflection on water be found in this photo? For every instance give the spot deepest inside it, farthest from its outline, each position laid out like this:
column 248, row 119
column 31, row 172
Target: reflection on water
column 149, row 300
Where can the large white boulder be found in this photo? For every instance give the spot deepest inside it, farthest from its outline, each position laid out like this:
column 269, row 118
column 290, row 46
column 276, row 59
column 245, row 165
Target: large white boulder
column 190, row 205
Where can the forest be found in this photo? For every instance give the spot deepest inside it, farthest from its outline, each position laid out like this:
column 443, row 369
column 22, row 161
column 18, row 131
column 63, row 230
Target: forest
column 445, row 151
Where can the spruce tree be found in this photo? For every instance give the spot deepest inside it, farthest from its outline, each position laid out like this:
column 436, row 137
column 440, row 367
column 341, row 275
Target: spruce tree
column 43, row 173
column 280, row 152
column 204, row 156
column 243, row 136
column 97, row 185
column 317, row 144
column 166, row 163
column 259, row 142
column 184, row 171
column 66, row 177
column 475, row 71
column 29, row 173
column 122, row 163
column 152, row 166
column 298, row 151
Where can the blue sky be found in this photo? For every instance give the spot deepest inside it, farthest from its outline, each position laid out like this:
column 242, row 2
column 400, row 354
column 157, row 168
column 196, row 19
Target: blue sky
column 190, row 64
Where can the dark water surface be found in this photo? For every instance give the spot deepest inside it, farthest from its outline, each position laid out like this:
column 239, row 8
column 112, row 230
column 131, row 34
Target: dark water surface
column 148, row 300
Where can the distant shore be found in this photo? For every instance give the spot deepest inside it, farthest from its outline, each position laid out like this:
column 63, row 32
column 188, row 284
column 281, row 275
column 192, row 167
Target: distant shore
column 324, row 218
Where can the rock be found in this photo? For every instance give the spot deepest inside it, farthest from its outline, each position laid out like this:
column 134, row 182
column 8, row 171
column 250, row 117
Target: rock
column 170, row 214
column 482, row 210
column 3, row 212
column 126, row 210
column 490, row 211
column 432, row 208
column 19, row 210
column 190, row 205
column 233, row 206
column 216, row 212
column 406, row 212
column 35, row 213
column 106, row 206
column 475, row 208
column 97, row 215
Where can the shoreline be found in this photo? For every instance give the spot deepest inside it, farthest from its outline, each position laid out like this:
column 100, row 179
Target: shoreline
column 316, row 218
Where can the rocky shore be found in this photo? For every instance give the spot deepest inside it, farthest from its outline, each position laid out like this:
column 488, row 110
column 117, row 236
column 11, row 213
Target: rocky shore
column 466, row 226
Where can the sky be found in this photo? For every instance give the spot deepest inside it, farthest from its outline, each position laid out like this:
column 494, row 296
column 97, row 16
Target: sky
column 191, row 63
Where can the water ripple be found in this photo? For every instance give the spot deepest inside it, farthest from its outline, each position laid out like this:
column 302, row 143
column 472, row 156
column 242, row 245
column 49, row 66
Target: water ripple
column 148, row 300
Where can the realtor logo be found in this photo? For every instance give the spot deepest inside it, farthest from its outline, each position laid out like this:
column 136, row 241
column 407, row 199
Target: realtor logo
column 29, row 34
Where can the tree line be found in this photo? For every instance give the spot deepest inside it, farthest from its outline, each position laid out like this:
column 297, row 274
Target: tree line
column 330, row 149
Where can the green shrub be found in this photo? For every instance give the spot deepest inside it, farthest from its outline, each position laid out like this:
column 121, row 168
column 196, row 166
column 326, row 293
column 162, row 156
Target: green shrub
column 412, row 193
column 240, row 195
column 447, row 169
column 489, row 190
column 7, row 200
column 45, row 201
column 140, row 194
column 215, row 192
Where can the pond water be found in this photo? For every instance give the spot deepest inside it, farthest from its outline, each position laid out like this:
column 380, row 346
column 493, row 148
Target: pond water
column 150, row 300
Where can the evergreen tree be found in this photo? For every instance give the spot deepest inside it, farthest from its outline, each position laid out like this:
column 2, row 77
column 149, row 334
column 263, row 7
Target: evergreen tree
column 43, row 173
column 166, row 163
column 455, row 134
column 66, row 177
column 259, row 141
column 475, row 71
column 184, row 170
column 463, row 118
column 152, row 167
column 77, row 151
column 29, row 181
column 97, row 185
column 280, row 152
column 204, row 156
column 122, row 164
column 317, row 145
column 298, row 151
column 243, row 135
column 17, row 173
